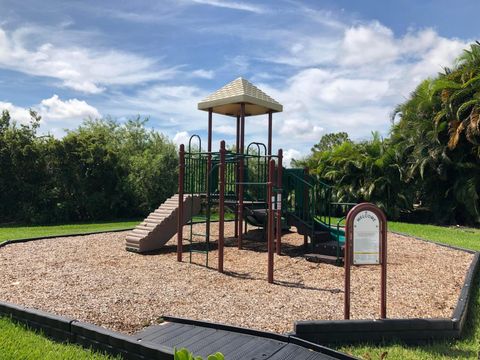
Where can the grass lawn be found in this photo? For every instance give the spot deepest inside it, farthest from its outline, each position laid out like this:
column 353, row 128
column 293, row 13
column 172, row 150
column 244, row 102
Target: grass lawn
column 468, row 238
column 15, row 232
column 466, row 348
column 17, row 342
column 214, row 217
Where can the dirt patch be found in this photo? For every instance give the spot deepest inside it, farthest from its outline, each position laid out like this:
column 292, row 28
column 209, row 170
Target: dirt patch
column 92, row 278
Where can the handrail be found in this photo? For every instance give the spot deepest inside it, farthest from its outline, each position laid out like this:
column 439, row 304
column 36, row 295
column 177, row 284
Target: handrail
column 314, row 205
column 258, row 147
column 199, row 143
column 300, row 179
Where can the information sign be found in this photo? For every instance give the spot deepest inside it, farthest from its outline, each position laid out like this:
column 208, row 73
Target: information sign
column 366, row 238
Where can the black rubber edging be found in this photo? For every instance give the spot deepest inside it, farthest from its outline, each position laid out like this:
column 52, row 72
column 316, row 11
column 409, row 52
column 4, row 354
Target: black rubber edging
column 65, row 329
column 8, row 242
column 407, row 330
column 290, row 339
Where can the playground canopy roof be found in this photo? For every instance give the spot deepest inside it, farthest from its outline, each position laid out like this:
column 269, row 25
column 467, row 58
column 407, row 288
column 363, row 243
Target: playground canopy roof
column 227, row 100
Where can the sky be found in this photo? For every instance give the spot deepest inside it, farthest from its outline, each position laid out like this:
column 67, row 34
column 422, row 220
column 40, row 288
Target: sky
column 335, row 65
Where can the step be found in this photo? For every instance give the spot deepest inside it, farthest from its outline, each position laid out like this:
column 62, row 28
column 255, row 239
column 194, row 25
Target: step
column 135, row 235
column 132, row 243
column 141, row 232
column 151, row 220
column 155, row 216
column 146, row 226
column 164, row 210
column 167, row 206
column 328, row 248
column 321, row 258
column 322, row 236
column 132, row 239
column 165, row 213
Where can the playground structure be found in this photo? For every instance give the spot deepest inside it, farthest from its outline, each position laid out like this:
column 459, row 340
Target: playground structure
column 251, row 182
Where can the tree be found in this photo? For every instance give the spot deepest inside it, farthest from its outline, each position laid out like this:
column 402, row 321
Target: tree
column 329, row 141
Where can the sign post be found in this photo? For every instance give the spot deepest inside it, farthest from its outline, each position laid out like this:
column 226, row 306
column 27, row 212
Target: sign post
column 366, row 244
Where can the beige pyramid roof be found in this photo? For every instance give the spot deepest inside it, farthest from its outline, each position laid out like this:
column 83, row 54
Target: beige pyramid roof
column 227, row 100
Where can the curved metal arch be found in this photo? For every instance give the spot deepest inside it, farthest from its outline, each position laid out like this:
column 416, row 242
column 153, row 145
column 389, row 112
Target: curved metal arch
column 258, row 144
column 199, row 143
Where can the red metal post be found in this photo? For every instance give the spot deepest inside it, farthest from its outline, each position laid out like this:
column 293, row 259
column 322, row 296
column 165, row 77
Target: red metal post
column 271, row 169
column 209, row 168
column 237, row 143
column 242, row 128
column 181, row 175
column 240, row 177
column 237, row 150
column 279, row 202
column 221, row 207
column 383, row 296
column 347, row 263
column 269, row 146
column 209, row 140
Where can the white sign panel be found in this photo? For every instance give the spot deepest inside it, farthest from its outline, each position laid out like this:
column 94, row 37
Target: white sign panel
column 366, row 238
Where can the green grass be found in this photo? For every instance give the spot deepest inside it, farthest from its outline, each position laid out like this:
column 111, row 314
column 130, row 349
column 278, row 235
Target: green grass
column 214, row 217
column 466, row 348
column 468, row 238
column 17, row 342
column 15, row 232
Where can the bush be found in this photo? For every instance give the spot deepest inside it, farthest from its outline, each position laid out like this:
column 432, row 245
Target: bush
column 102, row 170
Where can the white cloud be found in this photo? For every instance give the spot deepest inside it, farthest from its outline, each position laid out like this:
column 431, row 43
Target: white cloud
column 181, row 137
column 356, row 95
column 330, row 75
column 175, row 106
column 84, row 69
column 56, row 114
column 17, row 113
column 55, row 109
column 289, row 155
column 226, row 129
column 371, row 71
column 234, row 5
column 367, row 44
column 202, row 73
column 297, row 129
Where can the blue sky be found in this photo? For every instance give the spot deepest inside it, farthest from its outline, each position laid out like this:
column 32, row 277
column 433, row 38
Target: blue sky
column 335, row 65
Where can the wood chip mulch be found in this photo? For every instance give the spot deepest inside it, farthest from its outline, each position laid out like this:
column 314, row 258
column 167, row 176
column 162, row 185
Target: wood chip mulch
column 92, row 278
